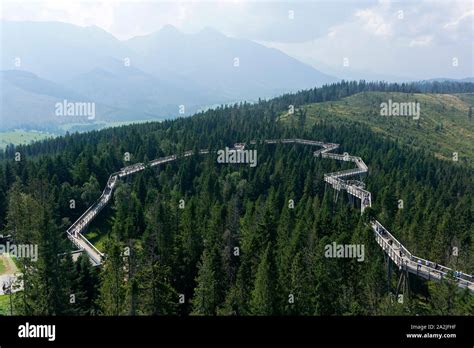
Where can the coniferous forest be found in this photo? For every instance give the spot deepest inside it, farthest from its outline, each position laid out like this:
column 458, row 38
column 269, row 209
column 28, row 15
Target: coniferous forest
column 197, row 237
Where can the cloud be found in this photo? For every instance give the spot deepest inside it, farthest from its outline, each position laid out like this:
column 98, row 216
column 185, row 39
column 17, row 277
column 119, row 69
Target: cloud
column 421, row 41
column 412, row 39
column 374, row 22
column 463, row 18
column 259, row 20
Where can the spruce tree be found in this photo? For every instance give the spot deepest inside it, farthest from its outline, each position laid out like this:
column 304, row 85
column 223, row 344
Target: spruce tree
column 112, row 291
column 205, row 298
column 262, row 301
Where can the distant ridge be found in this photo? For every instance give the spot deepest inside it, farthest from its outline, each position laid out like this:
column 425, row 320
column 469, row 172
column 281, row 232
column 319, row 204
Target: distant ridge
column 146, row 77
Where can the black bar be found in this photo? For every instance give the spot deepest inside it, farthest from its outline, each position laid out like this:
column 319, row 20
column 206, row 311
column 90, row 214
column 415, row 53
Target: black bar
column 135, row 331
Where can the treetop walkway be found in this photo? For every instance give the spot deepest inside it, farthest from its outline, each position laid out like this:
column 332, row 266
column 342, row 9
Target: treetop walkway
column 395, row 250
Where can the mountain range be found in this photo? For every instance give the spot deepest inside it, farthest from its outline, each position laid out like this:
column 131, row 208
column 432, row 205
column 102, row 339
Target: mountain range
column 157, row 76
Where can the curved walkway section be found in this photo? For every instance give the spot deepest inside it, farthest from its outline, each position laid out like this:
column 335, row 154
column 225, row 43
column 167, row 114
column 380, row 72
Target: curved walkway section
column 403, row 258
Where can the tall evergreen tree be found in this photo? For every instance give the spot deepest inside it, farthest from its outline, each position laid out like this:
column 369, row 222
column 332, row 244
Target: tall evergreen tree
column 205, row 300
column 113, row 290
column 262, row 301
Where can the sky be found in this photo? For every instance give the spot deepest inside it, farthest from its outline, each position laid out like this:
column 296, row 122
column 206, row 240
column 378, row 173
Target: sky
column 412, row 39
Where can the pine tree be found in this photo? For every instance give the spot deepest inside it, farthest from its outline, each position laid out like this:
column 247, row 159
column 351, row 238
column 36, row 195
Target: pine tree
column 85, row 283
column 90, row 191
column 262, row 300
column 205, row 298
column 44, row 276
column 295, row 300
column 22, row 215
column 443, row 297
column 326, row 274
column 157, row 296
column 112, row 291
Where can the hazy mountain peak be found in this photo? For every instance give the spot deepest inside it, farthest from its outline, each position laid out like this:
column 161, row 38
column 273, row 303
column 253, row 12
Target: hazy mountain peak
column 169, row 29
column 208, row 31
column 146, row 75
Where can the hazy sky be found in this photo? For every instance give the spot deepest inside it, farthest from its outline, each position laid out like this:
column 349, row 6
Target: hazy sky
column 410, row 39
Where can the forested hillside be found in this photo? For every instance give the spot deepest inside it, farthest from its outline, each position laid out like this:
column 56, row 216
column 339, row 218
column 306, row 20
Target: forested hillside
column 445, row 125
column 197, row 237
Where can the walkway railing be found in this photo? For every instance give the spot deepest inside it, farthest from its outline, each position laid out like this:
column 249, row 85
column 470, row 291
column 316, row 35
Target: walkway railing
column 400, row 255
